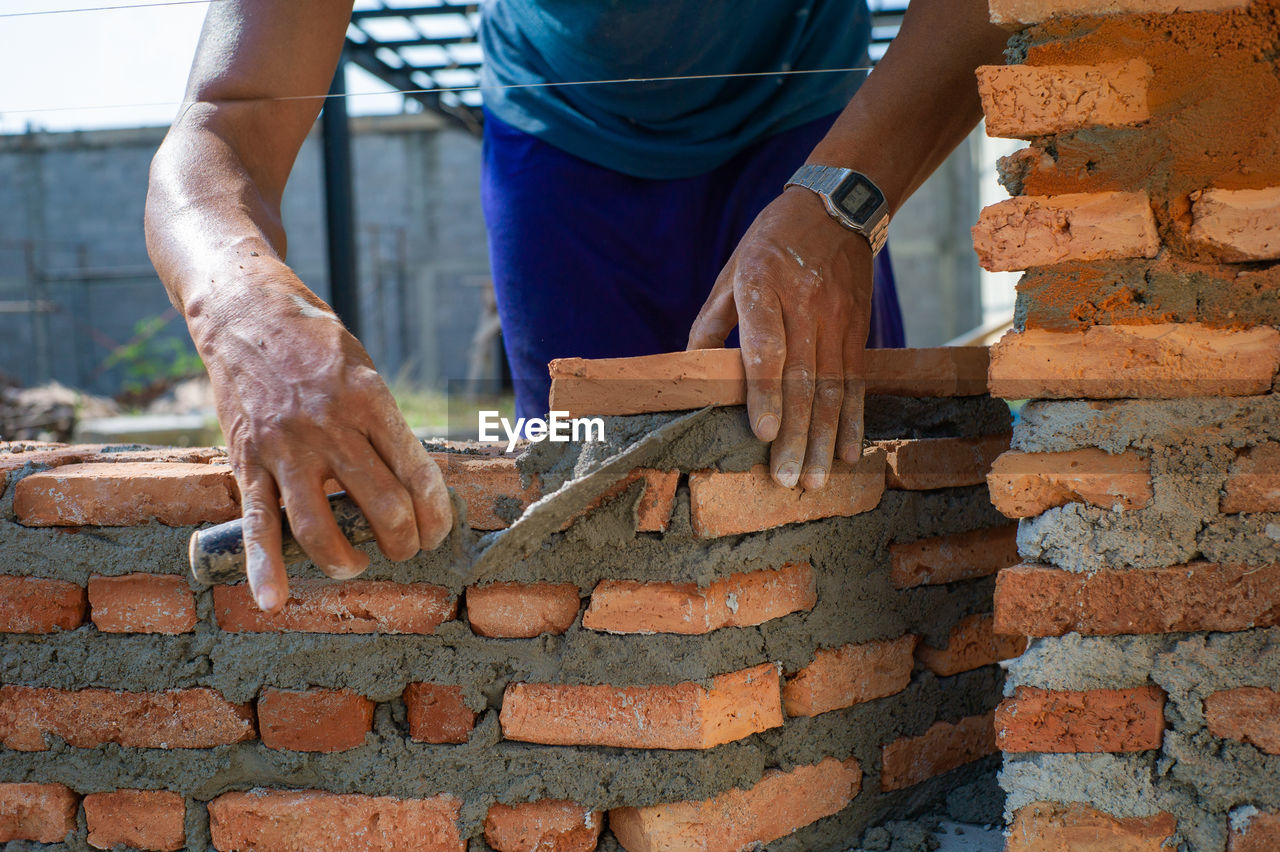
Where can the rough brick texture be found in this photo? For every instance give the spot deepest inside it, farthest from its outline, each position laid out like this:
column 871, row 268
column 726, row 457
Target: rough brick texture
column 324, row 720
column 123, row 494
column 676, row 381
column 353, row 606
column 1250, row 714
column 1159, row 361
column 951, row 558
column 522, row 610
column 1095, row 720
column 287, row 821
column 653, row 509
column 741, row 819
column 1024, row 101
column 842, row 677
column 547, row 826
column 45, row 813
column 945, row 746
column 739, row 600
column 1037, row 600
column 1015, row 12
column 1259, row 832
column 142, row 603
column 1254, row 481
column 437, row 713
column 36, row 605
column 1055, row 827
column 973, row 643
column 486, row 485
column 683, row 716
column 929, row 463
column 1042, row 230
column 1022, row 485
column 139, row 819
column 177, row 718
column 1238, row 225
column 732, row 503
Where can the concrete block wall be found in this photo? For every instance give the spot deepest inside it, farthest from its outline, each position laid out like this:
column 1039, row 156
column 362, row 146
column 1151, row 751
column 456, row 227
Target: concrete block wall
column 1145, row 470
column 701, row 661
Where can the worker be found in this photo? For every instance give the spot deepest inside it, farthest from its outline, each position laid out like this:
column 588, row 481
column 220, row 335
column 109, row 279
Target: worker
column 624, row 176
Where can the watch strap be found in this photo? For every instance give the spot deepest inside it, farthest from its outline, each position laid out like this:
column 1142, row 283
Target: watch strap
column 826, row 181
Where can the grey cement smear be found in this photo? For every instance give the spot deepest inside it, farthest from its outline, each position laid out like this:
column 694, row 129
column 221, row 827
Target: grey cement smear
column 855, row 603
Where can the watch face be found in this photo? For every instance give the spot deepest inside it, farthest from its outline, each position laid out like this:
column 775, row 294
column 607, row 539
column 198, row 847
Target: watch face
column 858, row 199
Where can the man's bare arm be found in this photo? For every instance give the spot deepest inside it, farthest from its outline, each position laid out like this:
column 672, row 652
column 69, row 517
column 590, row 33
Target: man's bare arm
column 799, row 284
column 298, row 398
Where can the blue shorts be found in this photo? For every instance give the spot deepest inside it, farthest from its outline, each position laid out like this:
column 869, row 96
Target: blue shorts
column 593, row 263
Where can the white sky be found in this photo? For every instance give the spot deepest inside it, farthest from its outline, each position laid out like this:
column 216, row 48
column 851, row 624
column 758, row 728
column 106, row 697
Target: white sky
column 118, row 67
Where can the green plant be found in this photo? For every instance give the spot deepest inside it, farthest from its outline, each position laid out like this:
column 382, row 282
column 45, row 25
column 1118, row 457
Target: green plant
column 152, row 362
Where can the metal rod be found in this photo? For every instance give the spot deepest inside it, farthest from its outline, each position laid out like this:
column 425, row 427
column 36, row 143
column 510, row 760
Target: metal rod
column 339, row 204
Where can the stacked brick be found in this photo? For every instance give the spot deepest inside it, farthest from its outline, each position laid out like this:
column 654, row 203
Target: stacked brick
column 702, row 661
column 1145, row 470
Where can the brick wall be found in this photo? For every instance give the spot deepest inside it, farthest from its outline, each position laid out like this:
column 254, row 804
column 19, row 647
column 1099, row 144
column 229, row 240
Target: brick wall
column 1145, row 470
column 702, row 661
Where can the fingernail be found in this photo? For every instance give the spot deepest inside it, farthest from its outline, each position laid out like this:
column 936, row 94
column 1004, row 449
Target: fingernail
column 268, row 599
column 341, row 572
column 767, row 427
column 788, row 474
column 852, row 452
column 815, row 477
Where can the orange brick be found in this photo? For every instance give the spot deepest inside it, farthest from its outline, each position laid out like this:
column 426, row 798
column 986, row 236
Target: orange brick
column 546, row 826
column 683, row 716
column 122, row 494
column 972, row 644
column 484, row 484
column 675, row 381
column 45, row 813
column 352, row 606
column 731, row 503
column 658, row 500
column 176, row 718
column 325, row 720
column 1025, row 101
column 1054, row 827
column 183, row 455
column 1250, row 714
column 741, row 819
column 302, row 821
column 437, row 713
column 19, row 454
column 928, row 463
column 945, row 746
column 36, row 605
column 1237, row 225
column 1159, row 361
column 1259, row 832
column 1095, row 720
column 1015, row 12
column 1042, row 230
column 139, row 819
column 142, row 603
column 738, row 600
column 522, row 610
column 951, row 558
column 1037, row 600
column 1254, row 482
column 842, row 677
column 1023, row 485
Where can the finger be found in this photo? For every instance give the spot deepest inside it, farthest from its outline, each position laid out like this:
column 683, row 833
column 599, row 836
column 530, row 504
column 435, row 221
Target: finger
column 849, row 440
column 412, row 465
column 825, row 420
column 716, row 319
column 260, row 510
column 798, row 382
column 312, row 524
column 381, row 496
column 764, row 350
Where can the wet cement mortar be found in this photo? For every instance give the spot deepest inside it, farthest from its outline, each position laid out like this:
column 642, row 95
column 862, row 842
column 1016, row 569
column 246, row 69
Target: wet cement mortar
column 855, row 603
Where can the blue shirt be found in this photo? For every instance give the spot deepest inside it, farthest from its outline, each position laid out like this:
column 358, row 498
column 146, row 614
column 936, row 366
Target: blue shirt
column 674, row 128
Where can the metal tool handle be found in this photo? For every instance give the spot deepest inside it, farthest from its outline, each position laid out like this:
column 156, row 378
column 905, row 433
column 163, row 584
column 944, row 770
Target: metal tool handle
column 217, row 553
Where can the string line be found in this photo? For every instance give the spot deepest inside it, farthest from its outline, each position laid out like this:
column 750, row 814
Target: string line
column 107, row 8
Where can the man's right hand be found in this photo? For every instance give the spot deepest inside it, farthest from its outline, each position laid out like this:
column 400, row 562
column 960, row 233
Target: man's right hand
column 300, row 403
